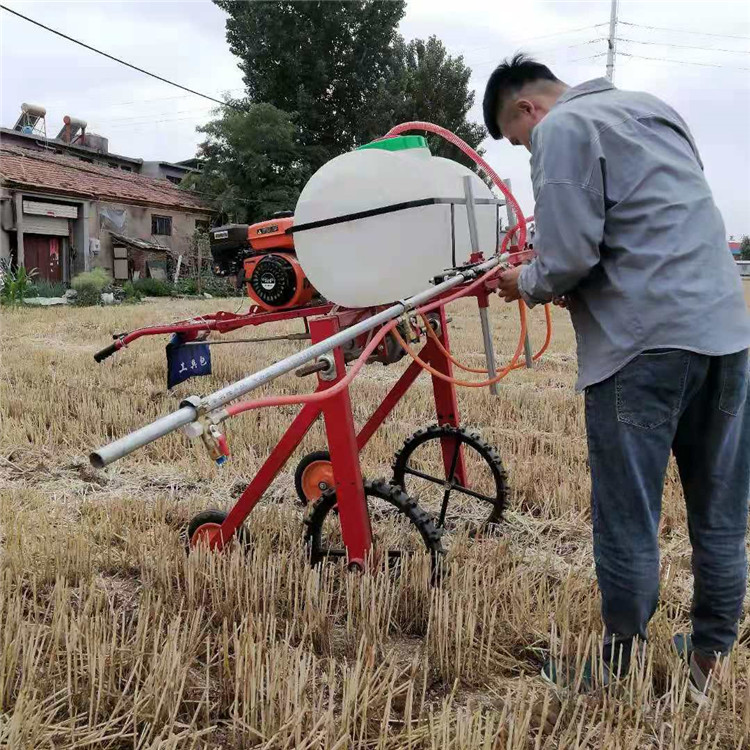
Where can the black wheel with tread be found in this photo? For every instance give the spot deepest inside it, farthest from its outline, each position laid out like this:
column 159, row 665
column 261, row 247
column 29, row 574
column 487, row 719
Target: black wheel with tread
column 419, row 468
column 212, row 517
column 396, row 519
column 313, row 476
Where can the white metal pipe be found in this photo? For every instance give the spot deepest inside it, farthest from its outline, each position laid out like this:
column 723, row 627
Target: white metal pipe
column 143, row 436
column 190, row 408
column 471, row 214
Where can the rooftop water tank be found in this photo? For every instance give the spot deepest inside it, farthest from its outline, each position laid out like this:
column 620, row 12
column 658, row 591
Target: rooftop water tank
column 373, row 225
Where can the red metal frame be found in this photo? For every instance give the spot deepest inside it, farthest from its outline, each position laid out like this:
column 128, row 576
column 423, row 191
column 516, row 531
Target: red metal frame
column 344, row 443
column 223, row 322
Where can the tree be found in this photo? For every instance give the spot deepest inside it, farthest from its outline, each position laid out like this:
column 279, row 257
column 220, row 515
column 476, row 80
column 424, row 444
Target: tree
column 252, row 163
column 323, row 78
column 431, row 85
column 745, row 248
column 324, row 61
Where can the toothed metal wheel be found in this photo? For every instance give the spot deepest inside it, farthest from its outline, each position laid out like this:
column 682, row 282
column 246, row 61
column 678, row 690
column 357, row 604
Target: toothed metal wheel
column 400, row 527
column 455, row 475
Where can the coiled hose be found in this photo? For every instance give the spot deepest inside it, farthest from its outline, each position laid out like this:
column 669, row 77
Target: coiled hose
column 390, row 327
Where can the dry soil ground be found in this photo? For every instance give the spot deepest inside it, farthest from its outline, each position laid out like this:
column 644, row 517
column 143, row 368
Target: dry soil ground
column 110, row 637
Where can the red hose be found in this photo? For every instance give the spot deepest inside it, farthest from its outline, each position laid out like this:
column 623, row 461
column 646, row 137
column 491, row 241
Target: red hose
column 509, row 235
column 520, row 227
column 475, row 157
column 360, row 361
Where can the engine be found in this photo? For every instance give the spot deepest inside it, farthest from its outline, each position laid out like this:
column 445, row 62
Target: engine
column 277, row 282
column 263, row 258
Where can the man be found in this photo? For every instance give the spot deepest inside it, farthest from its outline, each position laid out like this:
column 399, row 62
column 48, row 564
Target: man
column 628, row 237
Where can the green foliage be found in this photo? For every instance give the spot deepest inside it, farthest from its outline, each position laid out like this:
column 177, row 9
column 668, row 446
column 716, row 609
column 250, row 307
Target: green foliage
column 429, row 84
column 253, row 165
column 745, row 248
column 324, row 61
column 44, row 288
column 15, row 285
column 216, row 286
column 152, row 288
column 97, row 279
column 129, row 293
column 89, row 286
column 321, row 79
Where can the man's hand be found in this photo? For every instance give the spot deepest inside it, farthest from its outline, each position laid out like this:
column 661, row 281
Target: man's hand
column 508, row 284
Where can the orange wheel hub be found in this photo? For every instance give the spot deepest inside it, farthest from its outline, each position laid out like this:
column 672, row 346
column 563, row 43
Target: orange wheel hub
column 208, row 535
column 316, row 479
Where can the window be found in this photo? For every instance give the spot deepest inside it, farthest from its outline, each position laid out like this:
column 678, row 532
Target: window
column 161, row 225
column 126, row 169
column 174, row 180
column 112, row 164
column 86, row 159
column 201, row 225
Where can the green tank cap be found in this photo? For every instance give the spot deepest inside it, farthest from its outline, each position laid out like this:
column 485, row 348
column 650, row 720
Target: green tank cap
column 397, row 143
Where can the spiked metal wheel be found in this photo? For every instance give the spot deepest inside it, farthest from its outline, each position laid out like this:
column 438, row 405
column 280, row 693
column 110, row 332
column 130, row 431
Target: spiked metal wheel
column 400, row 526
column 429, row 465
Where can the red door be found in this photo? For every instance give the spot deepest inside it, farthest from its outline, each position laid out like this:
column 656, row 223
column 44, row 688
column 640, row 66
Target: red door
column 43, row 253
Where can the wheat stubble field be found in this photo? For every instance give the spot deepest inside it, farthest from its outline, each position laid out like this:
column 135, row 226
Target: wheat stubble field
column 111, row 637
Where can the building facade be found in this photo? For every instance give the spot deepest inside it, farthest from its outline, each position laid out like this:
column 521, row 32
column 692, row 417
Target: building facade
column 62, row 215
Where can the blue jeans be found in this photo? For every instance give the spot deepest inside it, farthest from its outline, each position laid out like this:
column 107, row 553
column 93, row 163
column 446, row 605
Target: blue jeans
column 696, row 407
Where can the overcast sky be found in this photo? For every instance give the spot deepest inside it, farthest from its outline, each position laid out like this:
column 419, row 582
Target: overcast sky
column 185, row 41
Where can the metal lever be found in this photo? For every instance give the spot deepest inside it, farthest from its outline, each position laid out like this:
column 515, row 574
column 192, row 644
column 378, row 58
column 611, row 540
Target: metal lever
column 311, row 369
column 489, row 350
column 325, row 365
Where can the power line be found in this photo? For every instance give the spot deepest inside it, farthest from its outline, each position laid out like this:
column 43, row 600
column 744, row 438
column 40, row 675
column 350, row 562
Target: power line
column 589, row 57
column 683, row 62
column 533, row 38
column 118, row 60
column 150, row 116
column 685, row 46
column 683, row 31
column 557, row 33
column 590, row 41
column 539, row 52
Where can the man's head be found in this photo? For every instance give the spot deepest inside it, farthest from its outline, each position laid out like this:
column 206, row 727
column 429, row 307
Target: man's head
column 519, row 93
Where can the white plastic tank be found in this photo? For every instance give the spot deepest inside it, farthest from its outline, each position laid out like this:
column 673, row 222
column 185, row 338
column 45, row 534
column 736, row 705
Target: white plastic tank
column 374, row 260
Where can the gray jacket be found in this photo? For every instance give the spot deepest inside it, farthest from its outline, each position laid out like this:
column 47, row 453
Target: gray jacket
column 627, row 226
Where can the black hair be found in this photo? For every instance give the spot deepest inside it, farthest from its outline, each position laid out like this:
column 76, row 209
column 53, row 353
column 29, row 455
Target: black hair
column 507, row 78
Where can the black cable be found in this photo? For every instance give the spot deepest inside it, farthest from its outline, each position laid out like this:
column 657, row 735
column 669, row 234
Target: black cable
column 122, row 62
column 682, row 62
column 683, row 31
column 685, row 46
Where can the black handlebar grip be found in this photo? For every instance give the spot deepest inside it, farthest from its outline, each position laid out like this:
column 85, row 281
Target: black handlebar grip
column 108, row 351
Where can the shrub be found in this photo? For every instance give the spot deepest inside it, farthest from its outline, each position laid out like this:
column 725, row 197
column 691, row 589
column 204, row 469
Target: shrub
column 153, row 288
column 44, row 288
column 15, row 285
column 89, row 286
column 214, row 285
column 130, row 293
column 97, row 278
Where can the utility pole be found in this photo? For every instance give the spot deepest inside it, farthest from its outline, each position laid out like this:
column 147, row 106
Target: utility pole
column 612, row 41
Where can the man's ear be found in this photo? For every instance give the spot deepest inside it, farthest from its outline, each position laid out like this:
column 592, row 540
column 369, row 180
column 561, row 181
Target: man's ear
column 524, row 106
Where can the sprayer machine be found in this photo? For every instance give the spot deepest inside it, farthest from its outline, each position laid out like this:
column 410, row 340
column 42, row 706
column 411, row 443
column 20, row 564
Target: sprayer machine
column 389, row 236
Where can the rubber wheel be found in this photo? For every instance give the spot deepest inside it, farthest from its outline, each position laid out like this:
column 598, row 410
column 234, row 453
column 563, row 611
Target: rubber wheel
column 208, row 520
column 419, row 469
column 386, row 503
column 313, row 476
